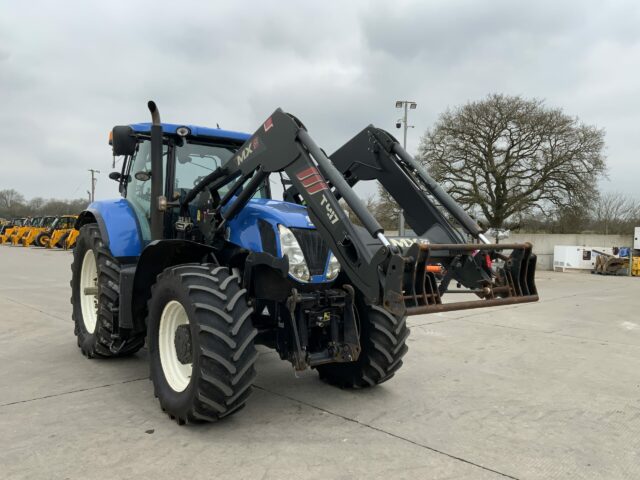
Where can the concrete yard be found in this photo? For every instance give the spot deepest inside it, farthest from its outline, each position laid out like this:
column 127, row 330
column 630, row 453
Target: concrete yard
column 539, row 391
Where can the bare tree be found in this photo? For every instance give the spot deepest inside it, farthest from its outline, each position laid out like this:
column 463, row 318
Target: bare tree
column 510, row 156
column 11, row 203
column 386, row 210
column 36, row 204
column 615, row 213
column 369, row 202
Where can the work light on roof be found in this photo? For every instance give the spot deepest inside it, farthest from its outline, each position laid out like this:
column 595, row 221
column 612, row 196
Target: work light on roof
column 183, row 131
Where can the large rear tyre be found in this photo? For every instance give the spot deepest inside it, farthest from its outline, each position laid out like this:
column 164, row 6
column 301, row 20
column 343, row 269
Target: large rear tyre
column 383, row 341
column 201, row 343
column 95, row 277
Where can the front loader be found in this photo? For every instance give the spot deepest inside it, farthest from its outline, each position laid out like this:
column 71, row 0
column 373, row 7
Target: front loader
column 56, row 236
column 7, row 230
column 30, row 236
column 20, row 232
column 200, row 260
column 70, row 240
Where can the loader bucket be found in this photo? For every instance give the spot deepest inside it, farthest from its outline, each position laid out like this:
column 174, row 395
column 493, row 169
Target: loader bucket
column 30, row 236
column 70, row 241
column 6, row 235
column 494, row 277
column 18, row 234
column 58, row 237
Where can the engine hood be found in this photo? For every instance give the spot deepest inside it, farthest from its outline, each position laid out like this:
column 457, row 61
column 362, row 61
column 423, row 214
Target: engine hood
column 277, row 211
column 244, row 229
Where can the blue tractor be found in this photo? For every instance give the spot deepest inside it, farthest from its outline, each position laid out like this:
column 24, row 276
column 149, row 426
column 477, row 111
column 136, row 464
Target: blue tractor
column 198, row 261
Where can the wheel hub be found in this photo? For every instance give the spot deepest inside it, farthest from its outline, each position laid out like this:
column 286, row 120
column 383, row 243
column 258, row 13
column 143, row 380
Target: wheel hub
column 174, row 345
column 182, row 343
column 89, row 291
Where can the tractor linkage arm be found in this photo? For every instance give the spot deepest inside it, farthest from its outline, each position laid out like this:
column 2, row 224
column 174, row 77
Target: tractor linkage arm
column 403, row 279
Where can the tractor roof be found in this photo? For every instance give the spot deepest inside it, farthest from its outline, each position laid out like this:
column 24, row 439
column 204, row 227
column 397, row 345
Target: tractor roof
column 196, row 131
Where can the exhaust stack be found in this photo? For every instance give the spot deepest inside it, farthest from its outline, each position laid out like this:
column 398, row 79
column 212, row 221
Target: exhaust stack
column 157, row 197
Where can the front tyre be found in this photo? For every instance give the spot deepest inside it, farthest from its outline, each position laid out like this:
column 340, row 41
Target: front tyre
column 383, row 340
column 42, row 240
column 201, row 343
column 95, row 278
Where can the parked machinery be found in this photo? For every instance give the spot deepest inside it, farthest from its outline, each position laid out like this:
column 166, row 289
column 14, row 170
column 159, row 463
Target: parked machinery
column 20, row 231
column 199, row 259
column 60, row 230
column 7, row 230
column 32, row 233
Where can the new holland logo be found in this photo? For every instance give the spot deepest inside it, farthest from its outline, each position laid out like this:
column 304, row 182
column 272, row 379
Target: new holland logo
column 312, row 180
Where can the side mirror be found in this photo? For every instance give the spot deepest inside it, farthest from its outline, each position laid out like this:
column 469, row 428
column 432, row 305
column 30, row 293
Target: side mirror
column 115, row 176
column 123, row 141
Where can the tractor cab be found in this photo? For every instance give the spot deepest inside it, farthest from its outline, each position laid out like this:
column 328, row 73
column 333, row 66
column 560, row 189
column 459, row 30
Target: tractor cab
column 190, row 154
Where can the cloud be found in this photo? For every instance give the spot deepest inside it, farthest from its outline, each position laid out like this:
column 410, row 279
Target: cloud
column 70, row 71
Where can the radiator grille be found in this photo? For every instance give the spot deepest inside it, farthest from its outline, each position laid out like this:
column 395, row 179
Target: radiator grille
column 314, row 248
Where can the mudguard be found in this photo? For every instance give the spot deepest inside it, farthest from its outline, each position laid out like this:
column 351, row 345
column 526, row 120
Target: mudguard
column 119, row 226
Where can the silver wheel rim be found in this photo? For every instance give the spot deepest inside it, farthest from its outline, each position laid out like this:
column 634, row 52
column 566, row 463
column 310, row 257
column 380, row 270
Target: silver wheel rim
column 89, row 291
column 178, row 375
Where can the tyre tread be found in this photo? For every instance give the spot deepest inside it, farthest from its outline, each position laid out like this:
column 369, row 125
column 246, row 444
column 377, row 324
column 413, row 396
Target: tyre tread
column 227, row 355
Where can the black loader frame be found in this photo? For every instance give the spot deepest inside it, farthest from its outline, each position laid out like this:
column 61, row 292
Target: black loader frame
column 402, row 280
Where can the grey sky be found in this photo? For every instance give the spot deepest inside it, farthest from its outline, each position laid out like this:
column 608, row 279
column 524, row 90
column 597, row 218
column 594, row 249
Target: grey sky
column 70, row 70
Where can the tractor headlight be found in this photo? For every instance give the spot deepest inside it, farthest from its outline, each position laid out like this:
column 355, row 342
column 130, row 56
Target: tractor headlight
column 334, row 267
column 290, row 247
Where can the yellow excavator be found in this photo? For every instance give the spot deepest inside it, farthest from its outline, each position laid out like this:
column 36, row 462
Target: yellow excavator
column 61, row 230
column 19, row 232
column 70, row 241
column 32, row 233
column 7, row 230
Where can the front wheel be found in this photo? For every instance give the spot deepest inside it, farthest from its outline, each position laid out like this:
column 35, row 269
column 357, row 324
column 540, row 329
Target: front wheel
column 383, row 340
column 200, row 339
column 42, row 240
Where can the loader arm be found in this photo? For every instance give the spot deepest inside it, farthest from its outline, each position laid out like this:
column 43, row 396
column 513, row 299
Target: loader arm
column 409, row 280
column 282, row 144
column 375, row 154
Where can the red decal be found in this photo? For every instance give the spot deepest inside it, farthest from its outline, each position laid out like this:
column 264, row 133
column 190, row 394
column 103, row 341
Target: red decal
column 307, row 173
column 268, row 124
column 307, row 182
column 317, row 188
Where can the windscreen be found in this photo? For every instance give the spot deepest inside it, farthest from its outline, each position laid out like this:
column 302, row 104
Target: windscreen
column 195, row 161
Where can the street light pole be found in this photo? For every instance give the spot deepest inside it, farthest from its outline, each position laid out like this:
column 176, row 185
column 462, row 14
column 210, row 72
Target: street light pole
column 404, row 121
column 406, row 105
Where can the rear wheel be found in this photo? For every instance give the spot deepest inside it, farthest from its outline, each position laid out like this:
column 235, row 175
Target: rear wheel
column 383, row 340
column 201, row 343
column 95, row 298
